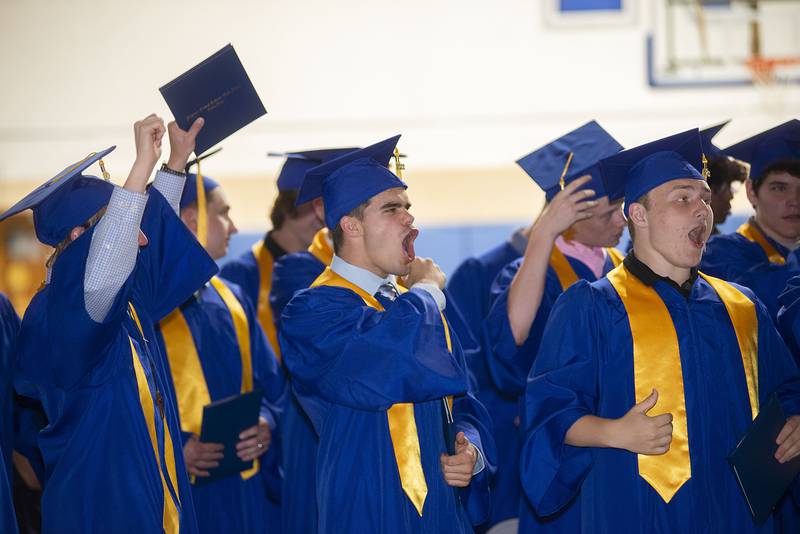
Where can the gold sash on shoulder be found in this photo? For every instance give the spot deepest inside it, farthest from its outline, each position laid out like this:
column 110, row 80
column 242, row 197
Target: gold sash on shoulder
column 402, row 423
column 657, row 365
column 187, row 371
column 753, row 234
column 265, row 263
column 171, row 516
column 564, row 271
column 320, row 247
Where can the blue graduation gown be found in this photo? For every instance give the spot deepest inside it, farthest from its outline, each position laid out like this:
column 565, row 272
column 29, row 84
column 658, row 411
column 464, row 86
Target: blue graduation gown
column 349, row 364
column 9, row 324
column 788, row 317
column 231, row 504
column 470, row 287
column 101, row 473
column 22, row 418
column 788, row 323
column 585, row 366
column 292, row 273
column 509, row 366
column 735, row 258
column 245, row 272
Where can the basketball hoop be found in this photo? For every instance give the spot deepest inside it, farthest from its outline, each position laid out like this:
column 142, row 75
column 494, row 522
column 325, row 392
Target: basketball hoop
column 769, row 79
column 763, row 69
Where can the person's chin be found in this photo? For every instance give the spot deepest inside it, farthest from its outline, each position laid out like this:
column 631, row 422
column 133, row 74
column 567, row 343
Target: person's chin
column 790, row 230
column 691, row 258
column 402, row 267
column 613, row 241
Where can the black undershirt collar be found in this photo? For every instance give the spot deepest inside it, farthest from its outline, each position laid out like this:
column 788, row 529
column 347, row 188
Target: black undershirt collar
column 274, row 248
column 648, row 277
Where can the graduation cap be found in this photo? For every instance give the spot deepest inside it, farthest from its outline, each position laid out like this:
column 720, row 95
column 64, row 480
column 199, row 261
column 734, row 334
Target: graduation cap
column 779, row 143
column 634, row 172
column 707, row 135
column 66, row 200
column 195, row 189
column 569, row 157
column 190, row 187
column 297, row 163
column 351, row 179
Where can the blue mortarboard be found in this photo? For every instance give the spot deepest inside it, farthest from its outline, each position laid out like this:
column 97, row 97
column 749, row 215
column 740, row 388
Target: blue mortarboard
column 65, row 201
column 587, row 145
column 189, row 195
column 636, row 171
column 707, row 135
column 351, row 179
column 297, row 163
column 779, row 143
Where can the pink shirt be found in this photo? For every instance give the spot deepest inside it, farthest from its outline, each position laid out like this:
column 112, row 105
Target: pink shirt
column 593, row 257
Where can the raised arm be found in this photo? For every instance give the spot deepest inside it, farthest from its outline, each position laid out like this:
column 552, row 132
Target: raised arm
column 116, row 238
column 170, row 180
column 525, row 294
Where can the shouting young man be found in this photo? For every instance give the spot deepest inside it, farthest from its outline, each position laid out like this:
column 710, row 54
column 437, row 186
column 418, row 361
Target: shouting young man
column 403, row 446
column 647, row 379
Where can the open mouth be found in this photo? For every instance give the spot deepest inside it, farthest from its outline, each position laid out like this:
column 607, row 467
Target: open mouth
column 697, row 236
column 408, row 245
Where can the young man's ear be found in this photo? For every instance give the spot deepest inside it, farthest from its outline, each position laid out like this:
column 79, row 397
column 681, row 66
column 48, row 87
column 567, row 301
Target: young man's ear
column 752, row 196
column 319, row 208
column 189, row 217
column 637, row 214
column 351, row 226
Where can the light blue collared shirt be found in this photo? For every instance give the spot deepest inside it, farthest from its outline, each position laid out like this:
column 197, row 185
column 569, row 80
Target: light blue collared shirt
column 370, row 282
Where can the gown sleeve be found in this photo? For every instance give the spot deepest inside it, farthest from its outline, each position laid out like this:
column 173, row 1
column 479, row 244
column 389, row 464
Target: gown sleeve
column 344, row 352
column 562, row 388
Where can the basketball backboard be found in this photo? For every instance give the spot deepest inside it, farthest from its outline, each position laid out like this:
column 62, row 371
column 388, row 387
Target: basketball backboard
column 722, row 42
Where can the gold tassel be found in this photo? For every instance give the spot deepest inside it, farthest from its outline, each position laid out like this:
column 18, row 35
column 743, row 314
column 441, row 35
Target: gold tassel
column 564, row 172
column 399, row 167
column 106, row 176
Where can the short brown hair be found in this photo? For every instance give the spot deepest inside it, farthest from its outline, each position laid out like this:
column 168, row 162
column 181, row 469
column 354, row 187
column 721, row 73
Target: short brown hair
column 283, row 208
column 789, row 166
column 725, row 170
column 337, row 236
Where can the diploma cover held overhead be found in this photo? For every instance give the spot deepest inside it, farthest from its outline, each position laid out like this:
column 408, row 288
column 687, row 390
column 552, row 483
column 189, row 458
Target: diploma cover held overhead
column 223, row 420
column 219, row 90
column 763, row 480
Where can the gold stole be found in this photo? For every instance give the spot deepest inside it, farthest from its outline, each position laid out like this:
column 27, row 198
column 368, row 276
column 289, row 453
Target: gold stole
column 402, row 423
column 187, row 371
column 171, row 516
column 753, row 234
column 657, row 365
column 615, row 255
column 564, row 271
column 265, row 262
column 320, row 247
